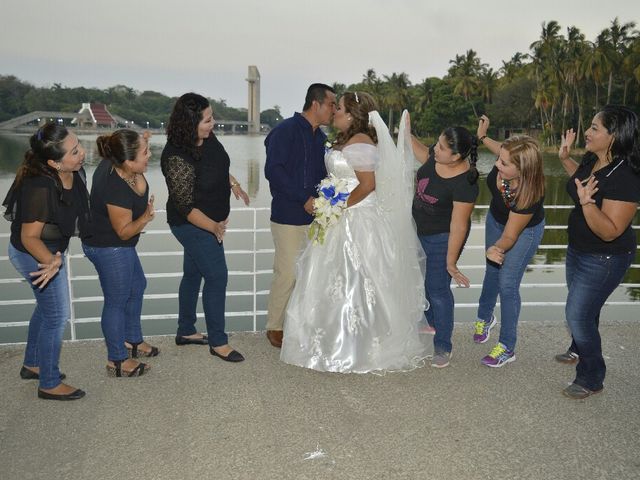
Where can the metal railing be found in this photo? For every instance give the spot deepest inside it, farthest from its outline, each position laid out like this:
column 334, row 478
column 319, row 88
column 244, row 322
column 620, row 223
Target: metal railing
column 254, row 272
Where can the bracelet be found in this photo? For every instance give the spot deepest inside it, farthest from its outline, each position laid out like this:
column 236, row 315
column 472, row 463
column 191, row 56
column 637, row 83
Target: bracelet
column 235, row 184
column 481, row 139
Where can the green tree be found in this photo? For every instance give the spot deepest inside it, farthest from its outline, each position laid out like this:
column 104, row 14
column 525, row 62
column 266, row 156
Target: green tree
column 618, row 38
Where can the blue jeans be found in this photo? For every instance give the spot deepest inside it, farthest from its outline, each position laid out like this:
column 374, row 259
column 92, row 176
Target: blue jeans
column 591, row 278
column 504, row 280
column 123, row 284
column 48, row 320
column 203, row 258
column 437, row 287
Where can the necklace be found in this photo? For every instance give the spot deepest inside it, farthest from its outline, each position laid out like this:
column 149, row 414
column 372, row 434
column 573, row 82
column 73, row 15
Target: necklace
column 508, row 194
column 131, row 181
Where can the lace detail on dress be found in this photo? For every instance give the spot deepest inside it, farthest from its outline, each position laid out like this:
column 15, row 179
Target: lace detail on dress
column 370, row 292
column 354, row 255
column 181, row 180
column 316, row 343
column 335, row 287
column 354, row 320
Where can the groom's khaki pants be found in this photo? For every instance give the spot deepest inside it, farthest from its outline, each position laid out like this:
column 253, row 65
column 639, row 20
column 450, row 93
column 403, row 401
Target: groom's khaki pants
column 288, row 240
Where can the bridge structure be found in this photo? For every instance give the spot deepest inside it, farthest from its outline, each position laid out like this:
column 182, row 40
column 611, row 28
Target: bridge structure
column 93, row 115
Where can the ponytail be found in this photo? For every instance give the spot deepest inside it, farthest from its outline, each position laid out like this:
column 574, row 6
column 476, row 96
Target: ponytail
column 472, row 174
column 120, row 146
column 461, row 142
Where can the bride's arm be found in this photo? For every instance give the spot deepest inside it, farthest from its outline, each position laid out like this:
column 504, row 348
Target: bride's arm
column 365, row 187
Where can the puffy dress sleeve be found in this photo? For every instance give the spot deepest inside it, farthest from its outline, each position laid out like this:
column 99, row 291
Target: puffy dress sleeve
column 362, row 157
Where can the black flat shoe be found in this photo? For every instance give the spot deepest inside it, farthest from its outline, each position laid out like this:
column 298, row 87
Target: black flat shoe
column 232, row 357
column 75, row 395
column 180, row 340
column 27, row 374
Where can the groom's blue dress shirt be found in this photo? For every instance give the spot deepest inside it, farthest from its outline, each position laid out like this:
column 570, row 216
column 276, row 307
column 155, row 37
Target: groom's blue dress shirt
column 294, row 167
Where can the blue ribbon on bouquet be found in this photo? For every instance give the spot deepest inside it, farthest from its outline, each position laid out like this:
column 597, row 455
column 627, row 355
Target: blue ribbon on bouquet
column 330, row 194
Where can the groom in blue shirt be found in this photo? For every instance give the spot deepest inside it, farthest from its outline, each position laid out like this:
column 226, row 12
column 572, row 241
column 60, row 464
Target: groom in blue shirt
column 294, row 167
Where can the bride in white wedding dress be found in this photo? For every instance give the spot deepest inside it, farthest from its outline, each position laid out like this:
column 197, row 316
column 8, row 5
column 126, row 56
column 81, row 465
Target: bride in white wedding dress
column 359, row 296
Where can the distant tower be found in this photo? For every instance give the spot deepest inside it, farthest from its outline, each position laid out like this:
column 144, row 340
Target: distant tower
column 253, row 107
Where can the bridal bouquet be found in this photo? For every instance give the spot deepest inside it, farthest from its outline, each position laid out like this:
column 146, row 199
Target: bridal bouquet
column 329, row 206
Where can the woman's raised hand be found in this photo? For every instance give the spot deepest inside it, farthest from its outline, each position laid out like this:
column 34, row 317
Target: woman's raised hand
column 483, row 126
column 586, row 190
column 46, row 271
column 565, row 146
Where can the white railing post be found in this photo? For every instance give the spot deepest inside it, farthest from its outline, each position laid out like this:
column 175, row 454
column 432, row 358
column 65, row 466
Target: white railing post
column 255, row 274
column 72, row 318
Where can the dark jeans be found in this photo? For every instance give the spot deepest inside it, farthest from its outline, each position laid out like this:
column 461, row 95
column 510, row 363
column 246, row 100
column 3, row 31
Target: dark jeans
column 504, row 280
column 591, row 278
column 48, row 320
column 123, row 284
column 437, row 286
column 203, row 258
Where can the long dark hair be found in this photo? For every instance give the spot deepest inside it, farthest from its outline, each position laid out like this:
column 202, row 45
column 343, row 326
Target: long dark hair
column 622, row 123
column 46, row 144
column 358, row 104
column 461, row 141
column 182, row 129
column 120, row 146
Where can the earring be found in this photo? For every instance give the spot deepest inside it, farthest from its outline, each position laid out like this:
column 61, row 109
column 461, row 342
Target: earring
column 58, row 167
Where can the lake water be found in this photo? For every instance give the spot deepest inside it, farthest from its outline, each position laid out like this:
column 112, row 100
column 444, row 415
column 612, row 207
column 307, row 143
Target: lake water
column 247, row 165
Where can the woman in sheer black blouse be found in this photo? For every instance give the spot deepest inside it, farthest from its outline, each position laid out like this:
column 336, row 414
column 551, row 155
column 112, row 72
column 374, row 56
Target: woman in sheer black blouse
column 47, row 203
column 196, row 169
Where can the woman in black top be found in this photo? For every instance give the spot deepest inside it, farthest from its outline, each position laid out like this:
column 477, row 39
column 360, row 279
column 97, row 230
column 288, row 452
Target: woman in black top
column 605, row 187
column 513, row 231
column 196, row 169
column 120, row 210
column 47, row 203
column 446, row 192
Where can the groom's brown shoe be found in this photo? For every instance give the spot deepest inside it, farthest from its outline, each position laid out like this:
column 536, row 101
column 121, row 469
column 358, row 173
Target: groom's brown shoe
column 275, row 337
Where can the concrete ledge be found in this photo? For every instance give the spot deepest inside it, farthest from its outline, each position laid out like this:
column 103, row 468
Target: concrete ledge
column 194, row 416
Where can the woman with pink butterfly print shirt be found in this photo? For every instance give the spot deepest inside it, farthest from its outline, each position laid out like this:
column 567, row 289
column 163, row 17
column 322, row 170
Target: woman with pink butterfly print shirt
column 446, row 192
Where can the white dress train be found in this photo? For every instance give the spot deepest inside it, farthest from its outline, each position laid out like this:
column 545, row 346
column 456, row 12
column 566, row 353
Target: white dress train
column 359, row 296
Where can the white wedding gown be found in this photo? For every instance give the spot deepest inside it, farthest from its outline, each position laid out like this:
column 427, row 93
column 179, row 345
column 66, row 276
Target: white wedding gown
column 359, row 296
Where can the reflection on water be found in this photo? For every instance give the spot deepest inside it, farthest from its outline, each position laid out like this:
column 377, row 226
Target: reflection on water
column 247, row 162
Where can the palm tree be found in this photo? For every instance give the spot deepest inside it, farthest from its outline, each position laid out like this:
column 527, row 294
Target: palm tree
column 513, row 67
column 397, row 93
column 631, row 66
column 488, row 83
column 618, row 38
column 465, row 74
column 596, row 64
column 574, row 49
column 546, row 58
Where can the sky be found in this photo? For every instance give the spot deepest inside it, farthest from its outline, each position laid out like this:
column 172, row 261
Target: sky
column 206, row 46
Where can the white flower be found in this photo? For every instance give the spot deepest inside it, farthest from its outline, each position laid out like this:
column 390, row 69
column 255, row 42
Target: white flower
column 328, row 207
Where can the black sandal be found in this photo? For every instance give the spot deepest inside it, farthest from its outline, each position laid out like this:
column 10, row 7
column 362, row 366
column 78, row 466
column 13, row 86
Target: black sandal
column 117, row 371
column 135, row 353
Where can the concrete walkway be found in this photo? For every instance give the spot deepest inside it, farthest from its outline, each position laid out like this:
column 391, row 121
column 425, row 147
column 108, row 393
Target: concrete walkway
column 196, row 417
